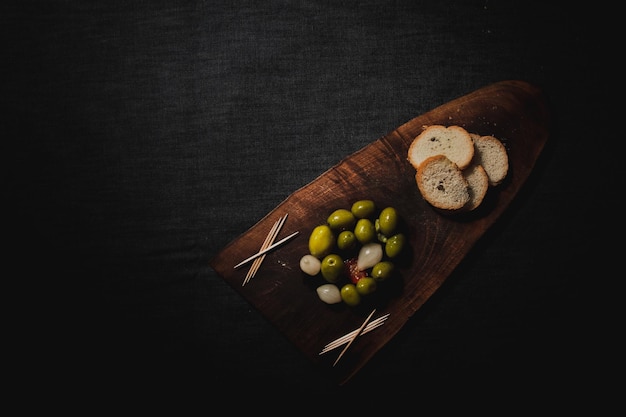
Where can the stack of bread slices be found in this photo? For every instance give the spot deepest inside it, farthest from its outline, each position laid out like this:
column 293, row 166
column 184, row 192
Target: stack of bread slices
column 455, row 168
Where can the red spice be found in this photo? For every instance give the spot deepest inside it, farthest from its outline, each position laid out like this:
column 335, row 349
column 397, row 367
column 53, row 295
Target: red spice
column 352, row 271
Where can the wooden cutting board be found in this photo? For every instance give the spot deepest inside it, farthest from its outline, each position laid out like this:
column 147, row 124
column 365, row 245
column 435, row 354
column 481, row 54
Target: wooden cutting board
column 513, row 111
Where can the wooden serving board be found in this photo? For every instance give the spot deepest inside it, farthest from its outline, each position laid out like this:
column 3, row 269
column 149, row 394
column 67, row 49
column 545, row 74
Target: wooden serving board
column 514, row 111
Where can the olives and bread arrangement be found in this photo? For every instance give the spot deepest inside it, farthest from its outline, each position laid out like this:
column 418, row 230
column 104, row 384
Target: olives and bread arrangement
column 353, row 250
column 507, row 126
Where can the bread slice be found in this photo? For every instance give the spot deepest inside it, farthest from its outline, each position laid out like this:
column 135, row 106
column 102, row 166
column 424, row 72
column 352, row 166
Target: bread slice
column 452, row 141
column 442, row 183
column 478, row 184
column 492, row 155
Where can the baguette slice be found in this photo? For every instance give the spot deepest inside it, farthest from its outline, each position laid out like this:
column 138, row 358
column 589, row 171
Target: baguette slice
column 478, row 183
column 442, row 183
column 452, row 141
column 491, row 154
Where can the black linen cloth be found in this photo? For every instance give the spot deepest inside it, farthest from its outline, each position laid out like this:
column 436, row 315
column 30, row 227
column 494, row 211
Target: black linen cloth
column 145, row 136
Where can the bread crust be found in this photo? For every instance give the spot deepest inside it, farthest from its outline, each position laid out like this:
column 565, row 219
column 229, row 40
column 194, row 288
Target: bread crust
column 452, row 141
column 442, row 183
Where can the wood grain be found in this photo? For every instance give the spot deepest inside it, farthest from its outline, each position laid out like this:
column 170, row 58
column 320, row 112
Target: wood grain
column 512, row 110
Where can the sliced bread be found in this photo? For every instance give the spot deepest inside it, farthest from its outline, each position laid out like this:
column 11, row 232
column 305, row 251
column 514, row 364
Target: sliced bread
column 442, row 183
column 452, row 141
column 492, row 155
column 478, row 184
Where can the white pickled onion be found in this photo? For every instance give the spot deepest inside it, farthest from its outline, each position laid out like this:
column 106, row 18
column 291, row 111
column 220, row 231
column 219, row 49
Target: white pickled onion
column 310, row 265
column 369, row 255
column 329, row 293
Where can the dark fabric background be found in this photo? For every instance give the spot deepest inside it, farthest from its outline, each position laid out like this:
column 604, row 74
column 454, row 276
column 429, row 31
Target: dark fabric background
column 141, row 137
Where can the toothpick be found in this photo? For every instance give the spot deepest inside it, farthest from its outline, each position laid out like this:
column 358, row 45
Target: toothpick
column 264, row 251
column 354, row 337
column 346, row 338
column 268, row 241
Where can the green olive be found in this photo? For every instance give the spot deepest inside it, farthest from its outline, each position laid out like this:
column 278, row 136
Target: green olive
column 321, row 241
column 363, row 209
column 346, row 240
column 394, row 245
column 332, row 267
column 366, row 285
column 364, row 231
column 350, row 295
column 382, row 270
column 341, row 219
column 387, row 221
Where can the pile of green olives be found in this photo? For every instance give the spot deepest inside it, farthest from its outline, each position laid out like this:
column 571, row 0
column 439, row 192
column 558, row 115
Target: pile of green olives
column 354, row 250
